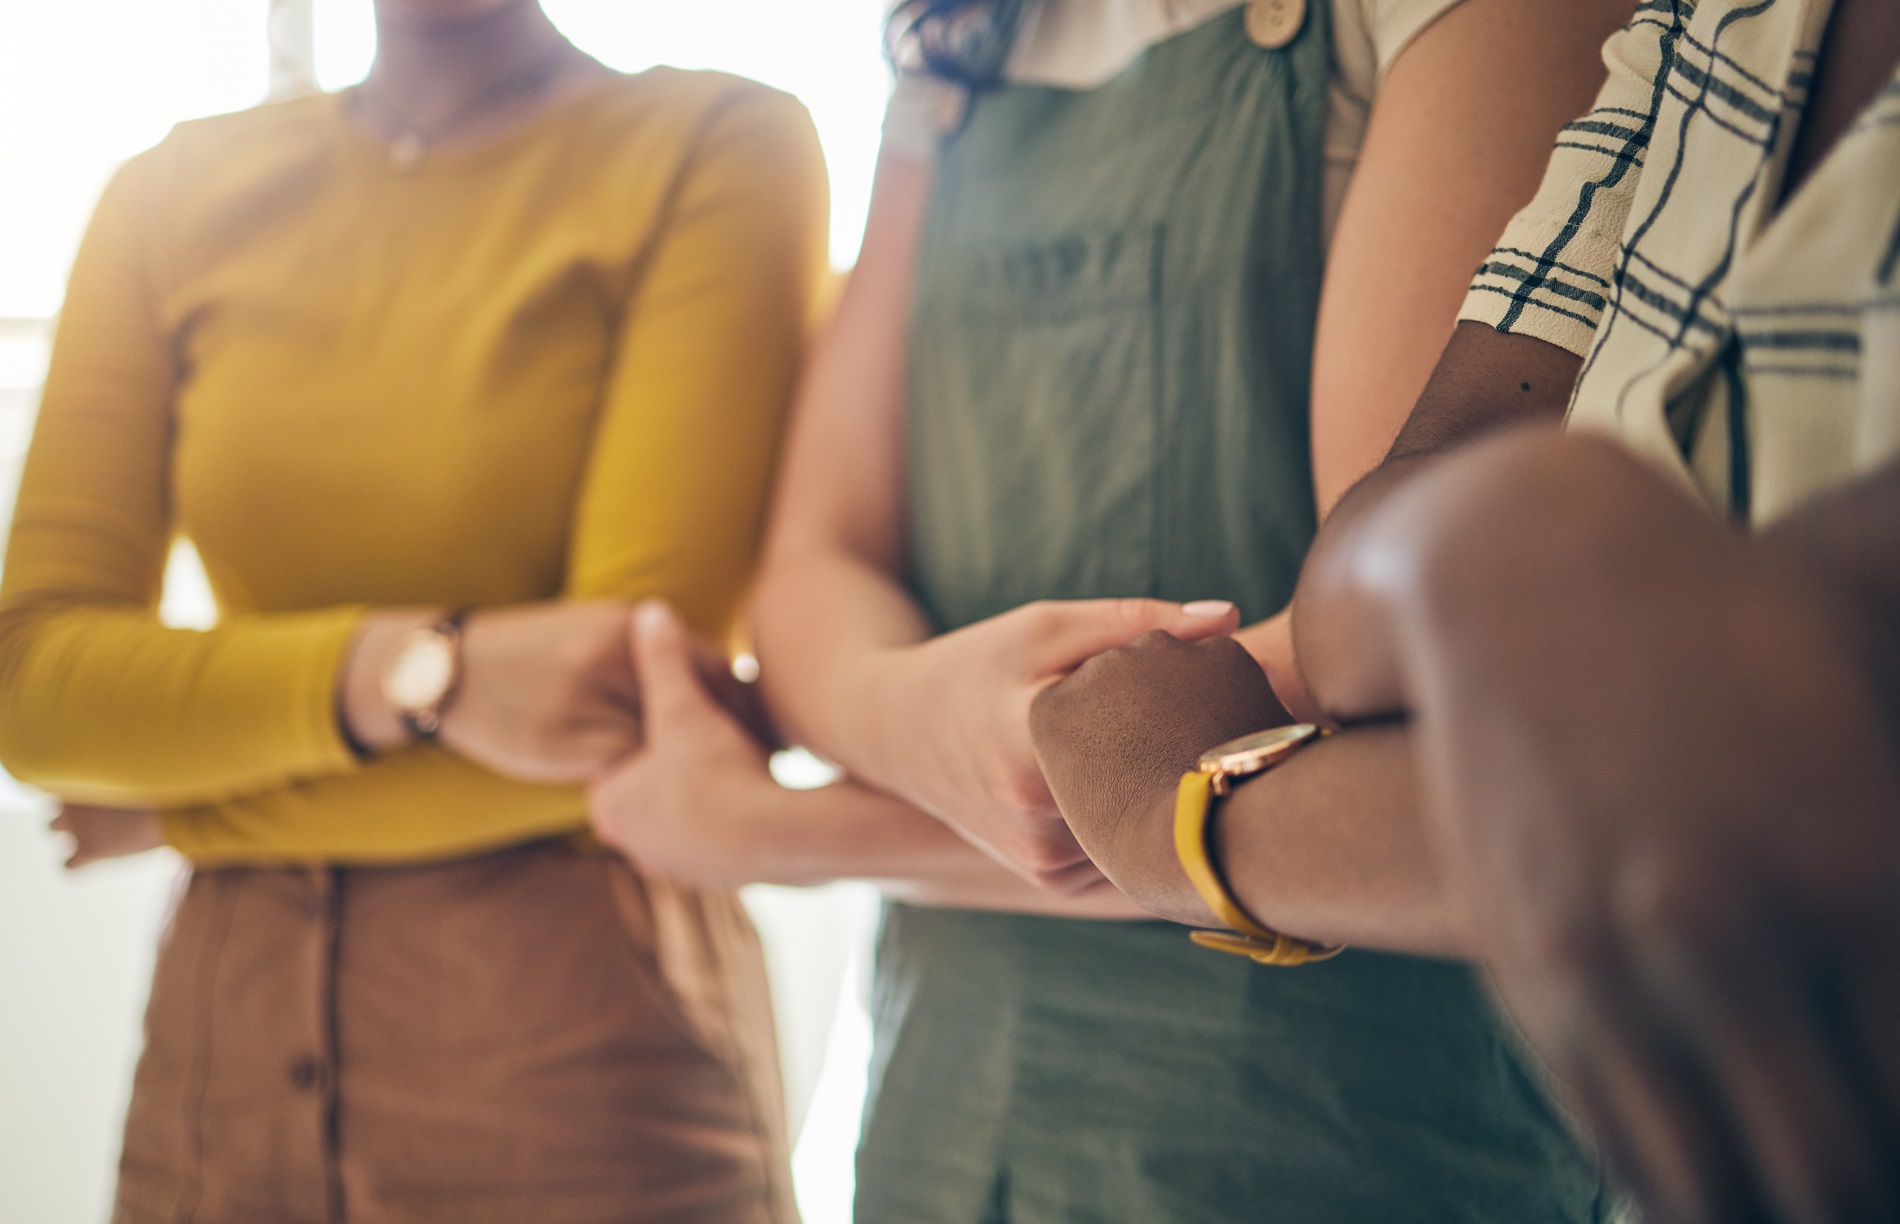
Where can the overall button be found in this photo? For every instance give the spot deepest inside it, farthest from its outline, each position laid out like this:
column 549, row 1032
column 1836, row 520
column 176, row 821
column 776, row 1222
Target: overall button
column 1273, row 23
column 307, row 1074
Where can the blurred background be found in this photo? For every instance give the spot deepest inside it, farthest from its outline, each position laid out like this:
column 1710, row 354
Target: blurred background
column 83, row 86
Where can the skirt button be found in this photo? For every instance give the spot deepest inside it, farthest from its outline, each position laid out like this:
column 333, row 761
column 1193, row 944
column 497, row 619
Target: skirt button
column 307, row 1074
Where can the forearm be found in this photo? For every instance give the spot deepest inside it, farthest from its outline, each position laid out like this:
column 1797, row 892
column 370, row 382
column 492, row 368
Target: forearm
column 1513, row 358
column 103, row 704
column 824, row 619
column 848, row 832
column 830, row 595
column 416, row 805
column 1330, row 846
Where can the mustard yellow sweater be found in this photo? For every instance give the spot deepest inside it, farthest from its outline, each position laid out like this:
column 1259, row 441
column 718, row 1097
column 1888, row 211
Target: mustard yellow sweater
column 555, row 364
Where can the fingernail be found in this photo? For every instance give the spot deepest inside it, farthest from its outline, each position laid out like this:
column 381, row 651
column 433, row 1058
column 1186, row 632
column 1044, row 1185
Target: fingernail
column 651, row 615
column 1210, row 608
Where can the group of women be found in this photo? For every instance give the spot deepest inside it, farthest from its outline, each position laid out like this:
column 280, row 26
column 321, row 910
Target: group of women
column 445, row 374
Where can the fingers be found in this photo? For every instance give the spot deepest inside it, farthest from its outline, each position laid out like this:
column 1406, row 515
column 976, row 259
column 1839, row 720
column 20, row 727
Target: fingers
column 1697, row 1036
column 1749, row 1002
column 1271, row 644
column 1653, row 1135
column 65, row 823
column 1875, row 1016
column 1644, row 1100
column 100, row 833
column 738, row 697
column 663, row 663
column 1074, row 880
column 617, row 799
column 1062, row 634
column 1045, row 853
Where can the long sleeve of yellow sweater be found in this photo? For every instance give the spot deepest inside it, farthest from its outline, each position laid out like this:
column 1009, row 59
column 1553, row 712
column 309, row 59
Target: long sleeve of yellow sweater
column 553, row 365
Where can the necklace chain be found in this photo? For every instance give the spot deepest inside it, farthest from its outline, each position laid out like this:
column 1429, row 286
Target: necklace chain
column 412, row 141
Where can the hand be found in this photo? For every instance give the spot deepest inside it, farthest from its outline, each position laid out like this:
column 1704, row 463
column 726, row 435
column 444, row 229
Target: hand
column 1270, row 642
column 1661, row 775
column 547, row 693
column 105, row 833
column 1115, row 737
column 952, row 721
column 682, row 806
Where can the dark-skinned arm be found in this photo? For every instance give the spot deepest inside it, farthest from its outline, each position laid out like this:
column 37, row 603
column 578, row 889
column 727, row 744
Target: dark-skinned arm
column 1660, row 764
column 1329, row 846
column 1459, row 137
column 1530, row 316
column 1486, row 380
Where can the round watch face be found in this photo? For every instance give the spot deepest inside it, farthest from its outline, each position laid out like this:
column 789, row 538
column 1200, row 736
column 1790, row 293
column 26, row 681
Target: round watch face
column 1252, row 753
column 421, row 673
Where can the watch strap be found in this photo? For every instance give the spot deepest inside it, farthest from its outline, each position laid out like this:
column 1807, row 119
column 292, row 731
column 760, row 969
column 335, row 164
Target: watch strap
column 1194, row 803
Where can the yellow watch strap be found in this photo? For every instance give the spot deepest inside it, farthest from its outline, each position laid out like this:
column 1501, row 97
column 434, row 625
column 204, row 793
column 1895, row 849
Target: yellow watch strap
column 1193, row 812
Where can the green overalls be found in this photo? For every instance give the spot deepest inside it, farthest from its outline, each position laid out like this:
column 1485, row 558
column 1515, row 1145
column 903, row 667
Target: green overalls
column 1110, row 350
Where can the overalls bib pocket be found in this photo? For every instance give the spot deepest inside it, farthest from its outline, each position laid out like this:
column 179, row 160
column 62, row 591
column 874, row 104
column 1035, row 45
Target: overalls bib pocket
column 1052, row 441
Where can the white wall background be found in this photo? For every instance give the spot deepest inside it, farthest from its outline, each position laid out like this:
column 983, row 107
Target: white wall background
column 85, row 84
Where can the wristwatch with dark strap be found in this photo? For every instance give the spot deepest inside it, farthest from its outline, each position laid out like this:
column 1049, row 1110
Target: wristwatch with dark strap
column 423, row 674
column 1195, row 802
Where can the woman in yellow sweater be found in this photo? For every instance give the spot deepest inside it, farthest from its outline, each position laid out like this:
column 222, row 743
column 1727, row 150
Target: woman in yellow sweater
column 500, row 330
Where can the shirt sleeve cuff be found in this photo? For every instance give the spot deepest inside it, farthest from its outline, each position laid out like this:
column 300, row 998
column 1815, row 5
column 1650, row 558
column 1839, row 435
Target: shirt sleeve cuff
column 1539, row 281
column 317, row 680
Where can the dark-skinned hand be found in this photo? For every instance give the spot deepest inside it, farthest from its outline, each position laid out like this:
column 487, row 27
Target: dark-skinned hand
column 1660, row 774
column 1116, row 735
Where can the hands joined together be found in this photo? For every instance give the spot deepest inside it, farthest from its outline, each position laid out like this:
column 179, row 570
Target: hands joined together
column 1658, row 774
column 1115, row 737
column 548, row 692
column 951, row 721
column 674, row 749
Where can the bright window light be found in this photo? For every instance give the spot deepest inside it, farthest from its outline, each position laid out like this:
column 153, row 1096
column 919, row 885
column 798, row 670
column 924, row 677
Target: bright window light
column 83, row 86
column 827, row 52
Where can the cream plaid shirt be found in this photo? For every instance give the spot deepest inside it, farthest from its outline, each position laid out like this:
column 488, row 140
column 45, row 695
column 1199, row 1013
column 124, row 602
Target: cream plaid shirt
column 1754, row 352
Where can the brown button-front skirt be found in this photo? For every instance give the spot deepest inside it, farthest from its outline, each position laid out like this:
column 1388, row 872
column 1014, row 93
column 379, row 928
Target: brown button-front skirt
column 535, row 1035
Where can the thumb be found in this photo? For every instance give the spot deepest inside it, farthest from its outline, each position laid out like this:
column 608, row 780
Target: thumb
column 663, row 665
column 1075, row 631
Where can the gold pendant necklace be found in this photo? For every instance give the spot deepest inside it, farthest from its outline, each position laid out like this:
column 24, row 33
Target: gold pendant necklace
column 410, row 147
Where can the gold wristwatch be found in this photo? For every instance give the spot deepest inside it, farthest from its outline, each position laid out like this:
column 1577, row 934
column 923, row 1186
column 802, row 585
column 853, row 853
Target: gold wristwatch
column 423, row 673
column 1194, row 807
